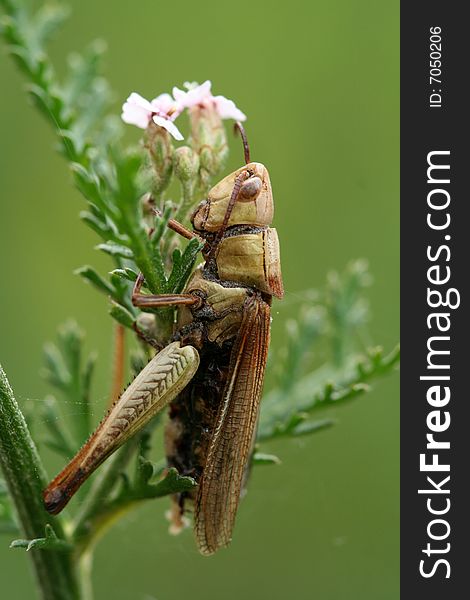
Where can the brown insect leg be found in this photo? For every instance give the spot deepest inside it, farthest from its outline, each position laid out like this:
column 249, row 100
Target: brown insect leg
column 179, row 228
column 118, row 363
column 160, row 300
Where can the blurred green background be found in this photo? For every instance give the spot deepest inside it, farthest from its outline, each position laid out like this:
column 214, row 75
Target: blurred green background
column 319, row 83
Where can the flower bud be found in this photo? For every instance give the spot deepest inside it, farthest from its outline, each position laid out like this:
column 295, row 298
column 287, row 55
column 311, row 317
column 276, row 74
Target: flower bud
column 160, row 151
column 186, row 164
column 209, row 139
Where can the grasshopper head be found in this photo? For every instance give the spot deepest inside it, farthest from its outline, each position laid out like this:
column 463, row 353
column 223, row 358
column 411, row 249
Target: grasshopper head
column 253, row 207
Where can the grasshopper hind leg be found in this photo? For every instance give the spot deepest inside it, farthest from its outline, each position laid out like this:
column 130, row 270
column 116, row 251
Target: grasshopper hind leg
column 164, row 377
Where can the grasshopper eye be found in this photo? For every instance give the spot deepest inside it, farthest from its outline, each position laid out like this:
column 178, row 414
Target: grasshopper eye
column 250, row 189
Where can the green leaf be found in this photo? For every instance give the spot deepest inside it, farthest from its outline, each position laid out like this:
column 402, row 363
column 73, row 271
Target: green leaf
column 347, row 308
column 83, row 71
column 96, row 224
column 59, row 438
column 145, row 471
column 114, row 249
column 261, row 458
column 307, row 427
column 172, row 483
column 91, row 276
column 161, row 221
column 88, row 183
column 301, row 336
column 48, row 20
column 183, row 266
column 56, row 371
column 126, row 274
column 326, row 387
column 122, row 315
column 49, row 542
column 68, row 371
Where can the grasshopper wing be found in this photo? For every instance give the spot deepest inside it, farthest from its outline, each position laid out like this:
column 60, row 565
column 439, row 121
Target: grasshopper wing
column 231, row 444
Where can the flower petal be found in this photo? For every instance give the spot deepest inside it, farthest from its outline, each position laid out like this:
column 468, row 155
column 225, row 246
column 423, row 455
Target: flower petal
column 200, row 94
column 227, row 109
column 137, row 111
column 139, row 100
column 169, row 126
column 179, row 95
column 163, row 103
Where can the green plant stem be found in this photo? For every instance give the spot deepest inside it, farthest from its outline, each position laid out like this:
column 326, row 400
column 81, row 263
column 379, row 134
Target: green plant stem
column 85, row 567
column 85, row 531
column 25, row 479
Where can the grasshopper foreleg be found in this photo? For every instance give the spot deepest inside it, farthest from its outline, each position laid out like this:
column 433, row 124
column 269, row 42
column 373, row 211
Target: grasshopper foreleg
column 160, row 300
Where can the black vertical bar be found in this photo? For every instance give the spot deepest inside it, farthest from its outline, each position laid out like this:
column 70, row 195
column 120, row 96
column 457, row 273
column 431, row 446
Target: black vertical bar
column 427, row 126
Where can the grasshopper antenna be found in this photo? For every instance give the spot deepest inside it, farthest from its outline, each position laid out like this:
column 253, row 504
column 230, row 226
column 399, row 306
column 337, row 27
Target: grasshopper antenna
column 238, row 128
column 243, row 176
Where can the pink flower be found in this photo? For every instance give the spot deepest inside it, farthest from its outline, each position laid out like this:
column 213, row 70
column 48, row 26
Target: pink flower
column 201, row 95
column 195, row 94
column 227, row 109
column 162, row 110
column 136, row 110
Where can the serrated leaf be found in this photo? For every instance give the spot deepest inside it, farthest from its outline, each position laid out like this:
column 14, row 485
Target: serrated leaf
column 283, row 414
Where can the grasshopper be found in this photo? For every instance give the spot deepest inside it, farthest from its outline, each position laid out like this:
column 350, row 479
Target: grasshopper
column 211, row 374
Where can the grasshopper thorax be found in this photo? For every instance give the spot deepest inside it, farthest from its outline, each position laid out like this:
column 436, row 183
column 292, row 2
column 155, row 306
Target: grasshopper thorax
column 253, row 207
